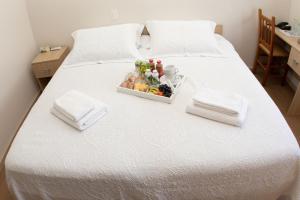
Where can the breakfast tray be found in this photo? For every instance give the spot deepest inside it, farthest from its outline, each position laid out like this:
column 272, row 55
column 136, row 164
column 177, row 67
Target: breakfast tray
column 154, row 97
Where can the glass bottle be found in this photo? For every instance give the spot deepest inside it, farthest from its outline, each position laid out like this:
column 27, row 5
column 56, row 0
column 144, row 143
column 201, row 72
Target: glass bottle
column 159, row 68
column 152, row 65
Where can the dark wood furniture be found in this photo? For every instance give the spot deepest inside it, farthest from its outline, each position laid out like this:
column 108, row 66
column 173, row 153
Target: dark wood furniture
column 267, row 51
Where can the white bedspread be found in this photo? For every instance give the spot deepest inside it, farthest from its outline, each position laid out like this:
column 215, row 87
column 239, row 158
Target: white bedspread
column 150, row 150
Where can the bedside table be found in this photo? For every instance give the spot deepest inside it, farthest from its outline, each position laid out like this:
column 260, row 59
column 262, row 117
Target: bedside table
column 45, row 65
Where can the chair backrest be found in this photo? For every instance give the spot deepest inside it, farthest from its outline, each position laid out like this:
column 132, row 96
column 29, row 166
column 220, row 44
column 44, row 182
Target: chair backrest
column 266, row 31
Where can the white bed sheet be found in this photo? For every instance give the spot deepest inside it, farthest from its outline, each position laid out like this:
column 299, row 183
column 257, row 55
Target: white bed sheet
column 150, row 150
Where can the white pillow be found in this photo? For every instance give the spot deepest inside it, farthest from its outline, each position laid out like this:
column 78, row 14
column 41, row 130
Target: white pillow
column 105, row 44
column 183, row 38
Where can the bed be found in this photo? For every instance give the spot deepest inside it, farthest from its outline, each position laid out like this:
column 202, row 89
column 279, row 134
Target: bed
column 150, row 150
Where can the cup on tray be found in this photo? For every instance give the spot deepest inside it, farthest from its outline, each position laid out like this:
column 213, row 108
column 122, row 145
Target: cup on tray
column 171, row 72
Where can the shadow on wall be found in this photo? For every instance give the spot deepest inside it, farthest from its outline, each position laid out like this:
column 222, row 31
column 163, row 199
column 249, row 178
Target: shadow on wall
column 15, row 105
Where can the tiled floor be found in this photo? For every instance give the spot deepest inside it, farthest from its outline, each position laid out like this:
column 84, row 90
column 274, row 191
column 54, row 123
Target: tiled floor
column 282, row 96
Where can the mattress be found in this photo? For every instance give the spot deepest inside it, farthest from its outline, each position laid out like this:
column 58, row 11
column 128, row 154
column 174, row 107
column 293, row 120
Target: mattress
column 150, row 150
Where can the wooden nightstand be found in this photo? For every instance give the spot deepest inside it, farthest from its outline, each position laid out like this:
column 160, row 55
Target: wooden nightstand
column 45, row 65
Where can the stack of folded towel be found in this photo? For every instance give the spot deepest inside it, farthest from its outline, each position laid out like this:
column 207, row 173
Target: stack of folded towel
column 78, row 110
column 219, row 106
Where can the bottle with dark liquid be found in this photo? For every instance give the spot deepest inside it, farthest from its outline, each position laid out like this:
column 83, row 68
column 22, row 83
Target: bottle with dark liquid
column 160, row 68
column 152, row 65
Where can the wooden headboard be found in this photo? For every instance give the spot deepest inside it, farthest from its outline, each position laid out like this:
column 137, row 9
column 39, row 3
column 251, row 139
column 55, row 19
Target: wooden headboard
column 218, row 30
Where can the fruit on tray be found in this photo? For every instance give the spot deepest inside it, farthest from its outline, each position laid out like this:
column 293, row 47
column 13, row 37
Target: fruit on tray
column 131, row 79
column 143, row 87
column 148, row 79
column 142, row 66
column 153, row 90
column 152, row 78
column 163, row 90
column 159, row 93
column 131, row 85
column 127, row 84
column 166, row 90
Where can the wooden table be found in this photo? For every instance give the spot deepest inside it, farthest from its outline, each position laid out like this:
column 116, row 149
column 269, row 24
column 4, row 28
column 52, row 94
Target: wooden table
column 294, row 63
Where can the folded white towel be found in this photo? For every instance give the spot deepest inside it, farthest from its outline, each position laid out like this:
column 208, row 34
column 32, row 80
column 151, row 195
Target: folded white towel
column 74, row 105
column 218, row 101
column 88, row 120
column 236, row 120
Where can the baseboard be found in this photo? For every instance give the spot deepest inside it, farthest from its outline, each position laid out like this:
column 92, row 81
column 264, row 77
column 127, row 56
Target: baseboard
column 17, row 130
column 293, row 80
column 291, row 84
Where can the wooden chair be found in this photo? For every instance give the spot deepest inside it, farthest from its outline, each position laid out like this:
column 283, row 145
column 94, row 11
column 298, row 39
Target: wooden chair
column 266, row 47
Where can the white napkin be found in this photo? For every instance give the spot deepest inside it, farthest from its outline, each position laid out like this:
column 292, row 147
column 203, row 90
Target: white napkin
column 233, row 119
column 218, row 101
column 88, row 120
column 74, row 105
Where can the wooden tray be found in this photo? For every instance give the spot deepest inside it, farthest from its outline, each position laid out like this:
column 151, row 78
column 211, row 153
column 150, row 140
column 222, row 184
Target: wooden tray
column 154, row 97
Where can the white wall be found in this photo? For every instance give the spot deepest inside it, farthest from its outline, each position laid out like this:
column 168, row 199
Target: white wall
column 295, row 10
column 17, row 87
column 54, row 20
